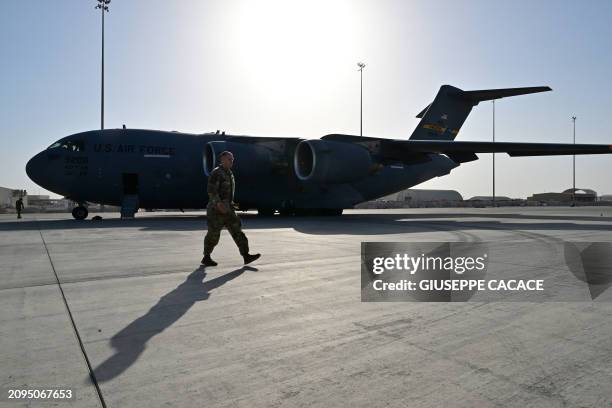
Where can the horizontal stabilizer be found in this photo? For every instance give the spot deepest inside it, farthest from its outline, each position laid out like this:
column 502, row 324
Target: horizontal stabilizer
column 490, row 94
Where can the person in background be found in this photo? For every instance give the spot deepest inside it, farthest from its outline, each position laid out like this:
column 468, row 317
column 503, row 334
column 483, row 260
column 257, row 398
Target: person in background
column 19, row 206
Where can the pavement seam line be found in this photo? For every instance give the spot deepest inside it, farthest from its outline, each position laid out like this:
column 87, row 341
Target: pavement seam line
column 74, row 328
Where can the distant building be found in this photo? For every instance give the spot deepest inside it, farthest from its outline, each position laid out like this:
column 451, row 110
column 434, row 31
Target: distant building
column 60, row 204
column 38, row 200
column 605, row 197
column 486, row 201
column 583, row 195
column 490, row 198
column 33, row 203
column 46, row 204
column 6, row 195
column 417, row 198
column 9, row 196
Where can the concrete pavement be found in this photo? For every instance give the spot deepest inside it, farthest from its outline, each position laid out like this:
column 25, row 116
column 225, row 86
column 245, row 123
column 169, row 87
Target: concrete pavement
column 290, row 330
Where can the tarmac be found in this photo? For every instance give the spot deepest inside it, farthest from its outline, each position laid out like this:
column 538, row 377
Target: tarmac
column 121, row 313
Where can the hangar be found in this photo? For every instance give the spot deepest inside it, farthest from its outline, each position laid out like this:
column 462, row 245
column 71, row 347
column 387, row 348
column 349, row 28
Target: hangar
column 426, row 198
column 583, row 195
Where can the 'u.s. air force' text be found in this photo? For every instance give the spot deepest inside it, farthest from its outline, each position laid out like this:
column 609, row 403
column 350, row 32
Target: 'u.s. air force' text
column 129, row 148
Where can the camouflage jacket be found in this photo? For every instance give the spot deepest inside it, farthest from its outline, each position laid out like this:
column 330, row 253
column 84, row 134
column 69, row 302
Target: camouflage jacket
column 221, row 186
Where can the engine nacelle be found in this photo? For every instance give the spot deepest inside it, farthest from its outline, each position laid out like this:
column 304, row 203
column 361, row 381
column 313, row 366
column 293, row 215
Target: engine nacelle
column 331, row 162
column 251, row 160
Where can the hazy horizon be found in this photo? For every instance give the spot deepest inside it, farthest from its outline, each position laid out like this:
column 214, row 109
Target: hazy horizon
column 288, row 68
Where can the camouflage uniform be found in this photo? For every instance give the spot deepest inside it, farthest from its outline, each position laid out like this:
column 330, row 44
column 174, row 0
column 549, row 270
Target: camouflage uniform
column 19, row 206
column 221, row 188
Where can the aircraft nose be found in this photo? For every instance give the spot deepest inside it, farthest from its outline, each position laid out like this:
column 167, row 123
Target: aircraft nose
column 30, row 168
column 35, row 169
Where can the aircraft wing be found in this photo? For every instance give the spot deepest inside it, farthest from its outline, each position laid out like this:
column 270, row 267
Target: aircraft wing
column 466, row 151
column 513, row 149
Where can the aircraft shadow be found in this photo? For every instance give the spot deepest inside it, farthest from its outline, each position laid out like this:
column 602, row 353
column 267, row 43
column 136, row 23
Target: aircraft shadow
column 351, row 224
column 130, row 342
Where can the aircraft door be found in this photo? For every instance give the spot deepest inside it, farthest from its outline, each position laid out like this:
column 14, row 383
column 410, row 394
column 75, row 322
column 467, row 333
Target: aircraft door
column 130, row 183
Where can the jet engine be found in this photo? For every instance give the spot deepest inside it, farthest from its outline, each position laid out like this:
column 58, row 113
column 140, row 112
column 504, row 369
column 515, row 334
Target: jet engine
column 251, row 160
column 331, row 162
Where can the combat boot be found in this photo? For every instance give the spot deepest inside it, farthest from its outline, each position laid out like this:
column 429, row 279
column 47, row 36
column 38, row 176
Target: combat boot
column 248, row 258
column 207, row 261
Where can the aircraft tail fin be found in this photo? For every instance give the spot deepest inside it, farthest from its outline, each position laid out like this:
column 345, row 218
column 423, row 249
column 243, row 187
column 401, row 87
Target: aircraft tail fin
column 443, row 118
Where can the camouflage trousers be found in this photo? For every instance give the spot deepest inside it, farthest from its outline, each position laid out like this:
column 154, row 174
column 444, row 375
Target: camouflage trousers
column 216, row 222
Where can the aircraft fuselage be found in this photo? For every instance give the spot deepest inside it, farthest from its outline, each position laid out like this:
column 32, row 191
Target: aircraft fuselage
column 168, row 170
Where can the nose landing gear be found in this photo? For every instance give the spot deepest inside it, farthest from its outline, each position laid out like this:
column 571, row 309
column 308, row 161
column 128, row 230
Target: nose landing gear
column 80, row 212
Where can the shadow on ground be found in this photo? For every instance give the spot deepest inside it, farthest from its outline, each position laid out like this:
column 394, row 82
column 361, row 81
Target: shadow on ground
column 351, row 224
column 130, row 342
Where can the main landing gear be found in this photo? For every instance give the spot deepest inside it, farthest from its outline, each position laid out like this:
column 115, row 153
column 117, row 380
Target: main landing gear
column 80, row 212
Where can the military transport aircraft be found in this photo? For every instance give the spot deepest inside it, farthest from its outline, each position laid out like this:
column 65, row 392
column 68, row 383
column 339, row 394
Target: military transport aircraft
column 135, row 168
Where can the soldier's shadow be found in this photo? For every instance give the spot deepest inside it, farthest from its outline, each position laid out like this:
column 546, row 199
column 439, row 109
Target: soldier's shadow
column 131, row 341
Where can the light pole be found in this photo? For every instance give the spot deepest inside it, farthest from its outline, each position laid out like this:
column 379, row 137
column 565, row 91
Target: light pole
column 574, row 167
column 361, row 66
column 493, row 153
column 103, row 6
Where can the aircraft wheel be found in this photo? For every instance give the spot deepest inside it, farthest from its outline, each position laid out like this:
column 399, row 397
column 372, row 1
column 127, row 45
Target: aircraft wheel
column 80, row 212
column 265, row 212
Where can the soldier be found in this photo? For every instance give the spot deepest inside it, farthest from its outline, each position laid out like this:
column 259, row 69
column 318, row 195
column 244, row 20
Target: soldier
column 220, row 211
column 19, row 206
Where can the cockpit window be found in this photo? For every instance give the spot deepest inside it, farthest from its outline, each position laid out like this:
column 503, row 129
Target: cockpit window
column 72, row 145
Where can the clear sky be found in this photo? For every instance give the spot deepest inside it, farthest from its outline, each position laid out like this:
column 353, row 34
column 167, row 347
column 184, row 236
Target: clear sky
column 288, row 68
